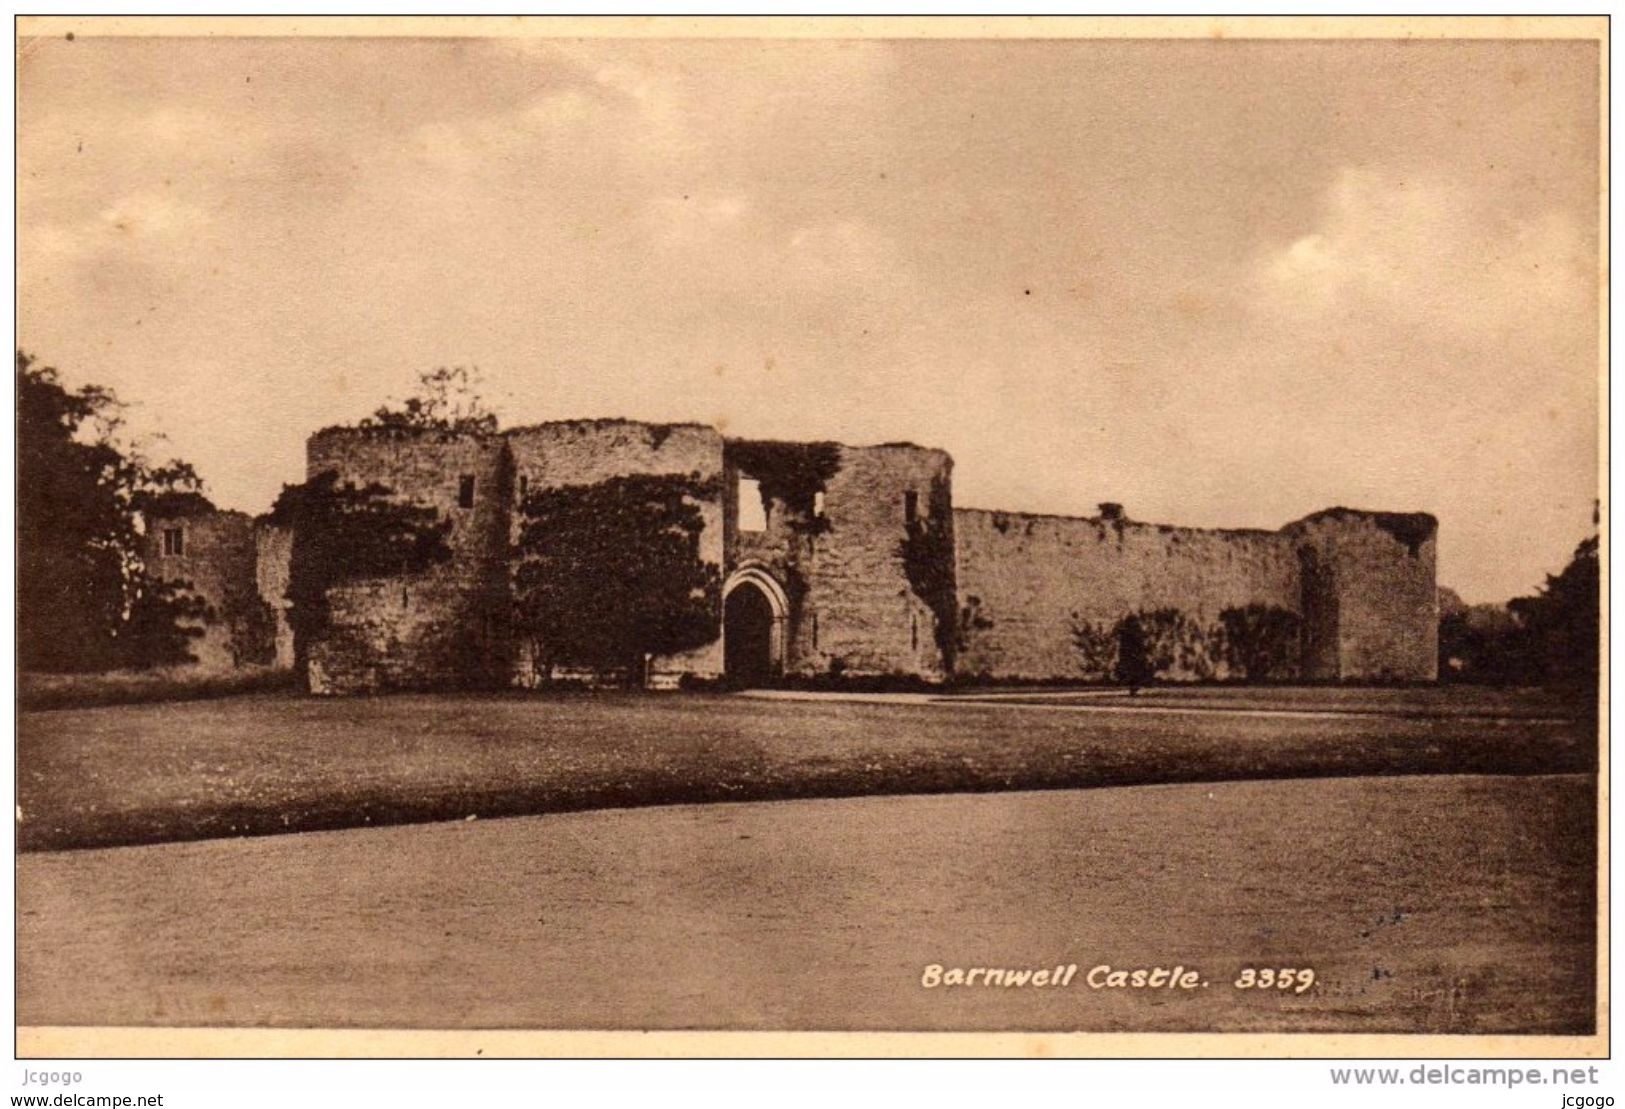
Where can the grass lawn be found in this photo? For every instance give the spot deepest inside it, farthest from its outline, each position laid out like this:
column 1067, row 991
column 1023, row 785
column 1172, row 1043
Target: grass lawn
column 1434, row 700
column 1444, row 903
column 271, row 763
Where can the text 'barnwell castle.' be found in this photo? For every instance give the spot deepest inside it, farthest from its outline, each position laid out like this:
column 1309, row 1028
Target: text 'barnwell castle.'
column 824, row 562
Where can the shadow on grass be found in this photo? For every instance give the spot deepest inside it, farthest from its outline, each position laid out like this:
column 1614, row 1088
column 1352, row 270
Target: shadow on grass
column 400, row 804
column 37, row 692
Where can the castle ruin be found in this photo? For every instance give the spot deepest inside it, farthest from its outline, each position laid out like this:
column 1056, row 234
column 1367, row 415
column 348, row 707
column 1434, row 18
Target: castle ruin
column 835, row 562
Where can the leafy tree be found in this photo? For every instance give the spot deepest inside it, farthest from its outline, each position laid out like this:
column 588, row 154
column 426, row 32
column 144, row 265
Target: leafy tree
column 610, row 572
column 447, row 399
column 79, row 492
column 1261, row 641
column 1562, row 621
column 1171, row 639
column 344, row 533
column 1484, row 643
column 1134, row 665
column 1141, row 646
column 164, row 618
column 1551, row 636
column 1096, row 644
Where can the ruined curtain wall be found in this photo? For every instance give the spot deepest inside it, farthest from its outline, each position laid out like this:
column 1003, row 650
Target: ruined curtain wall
column 1026, row 583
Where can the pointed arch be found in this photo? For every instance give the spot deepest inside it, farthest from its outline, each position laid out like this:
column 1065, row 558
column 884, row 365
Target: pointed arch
column 756, row 612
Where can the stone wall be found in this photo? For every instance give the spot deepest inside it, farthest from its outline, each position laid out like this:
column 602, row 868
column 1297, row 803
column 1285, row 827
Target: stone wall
column 1361, row 585
column 273, row 552
column 854, row 609
column 963, row 593
column 586, row 452
column 218, row 564
column 1026, row 583
column 444, row 628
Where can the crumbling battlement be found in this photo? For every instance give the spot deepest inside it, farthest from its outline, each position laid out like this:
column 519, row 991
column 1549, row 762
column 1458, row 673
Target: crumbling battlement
column 835, row 561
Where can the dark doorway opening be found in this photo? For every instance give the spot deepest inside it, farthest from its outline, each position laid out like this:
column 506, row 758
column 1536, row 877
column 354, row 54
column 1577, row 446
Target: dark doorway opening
column 747, row 636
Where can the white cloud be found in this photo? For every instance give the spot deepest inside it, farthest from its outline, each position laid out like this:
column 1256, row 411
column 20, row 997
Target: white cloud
column 695, row 219
column 1425, row 251
column 137, row 222
column 150, row 213
column 838, row 250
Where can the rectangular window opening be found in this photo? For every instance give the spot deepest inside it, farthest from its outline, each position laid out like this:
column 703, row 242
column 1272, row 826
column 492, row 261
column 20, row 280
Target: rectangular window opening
column 815, row 631
column 752, row 508
column 465, row 491
column 524, row 486
column 911, row 507
column 174, row 541
column 818, row 504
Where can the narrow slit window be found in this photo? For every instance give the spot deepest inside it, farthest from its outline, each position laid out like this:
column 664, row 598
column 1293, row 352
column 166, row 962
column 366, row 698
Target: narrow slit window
column 752, row 510
column 911, row 506
column 913, row 632
column 524, row 486
column 174, row 541
column 465, row 491
column 815, row 631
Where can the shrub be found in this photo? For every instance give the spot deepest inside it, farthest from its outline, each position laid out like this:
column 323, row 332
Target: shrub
column 1261, row 642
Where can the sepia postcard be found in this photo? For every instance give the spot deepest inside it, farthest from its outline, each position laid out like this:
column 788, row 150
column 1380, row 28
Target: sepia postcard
column 751, row 537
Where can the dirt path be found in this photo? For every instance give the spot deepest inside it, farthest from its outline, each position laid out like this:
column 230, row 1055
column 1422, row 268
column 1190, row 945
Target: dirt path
column 1441, row 904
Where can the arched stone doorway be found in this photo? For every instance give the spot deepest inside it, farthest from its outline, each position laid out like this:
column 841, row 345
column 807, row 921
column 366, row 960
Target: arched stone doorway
column 754, row 609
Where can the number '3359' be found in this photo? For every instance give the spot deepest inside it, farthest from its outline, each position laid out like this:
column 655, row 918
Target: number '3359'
column 1273, row 978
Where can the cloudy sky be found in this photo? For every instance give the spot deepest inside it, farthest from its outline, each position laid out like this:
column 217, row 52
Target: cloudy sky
column 1225, row 283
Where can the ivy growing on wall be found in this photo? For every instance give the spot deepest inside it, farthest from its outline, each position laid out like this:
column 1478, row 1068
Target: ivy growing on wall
column 792, row 473
column 344, row 533
column 610, row 572
column 971, row 620
column 251, row 624
column 927, row 552
column 1261, row 642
